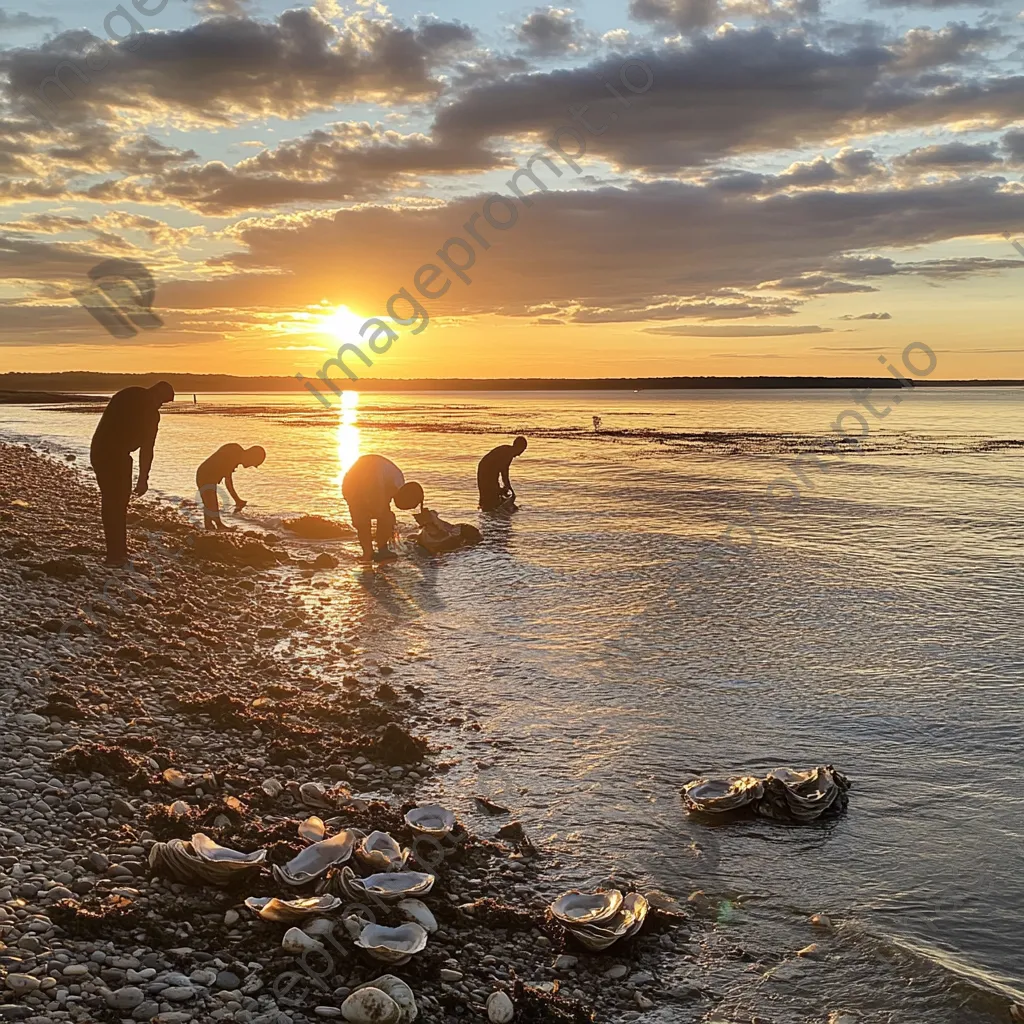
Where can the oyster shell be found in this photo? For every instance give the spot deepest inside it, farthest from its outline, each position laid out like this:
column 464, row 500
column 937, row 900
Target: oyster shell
column 500, row 1009
column 297, row 941
column 385, row 886
column 316, row 859
column 575, row 907
column 415, row 910
column 805, row 796
column 627, row 922
column 312, row 829
column 270, row 908
column 179, row 860
column 431, row 819
column 392, row 945
column 206, row 848
column 380, row 852
column 718, row 796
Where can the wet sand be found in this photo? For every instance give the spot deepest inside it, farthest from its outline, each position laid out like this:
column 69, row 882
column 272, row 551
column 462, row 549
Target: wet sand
column 127, row 691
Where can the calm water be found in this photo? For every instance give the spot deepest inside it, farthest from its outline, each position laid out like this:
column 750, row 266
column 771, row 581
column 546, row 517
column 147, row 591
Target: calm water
column 602, row 633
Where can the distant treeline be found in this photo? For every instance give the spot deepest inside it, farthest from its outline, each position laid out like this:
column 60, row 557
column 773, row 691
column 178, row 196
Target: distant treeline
column 186, row 383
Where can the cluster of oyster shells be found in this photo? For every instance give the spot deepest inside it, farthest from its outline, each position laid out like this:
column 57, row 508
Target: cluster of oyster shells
column 784, row 794
column 597, row 920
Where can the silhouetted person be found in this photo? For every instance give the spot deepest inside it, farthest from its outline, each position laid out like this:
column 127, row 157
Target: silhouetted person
column 129, row 423
column 369, row 487
column 220, row 466
column 492, row 474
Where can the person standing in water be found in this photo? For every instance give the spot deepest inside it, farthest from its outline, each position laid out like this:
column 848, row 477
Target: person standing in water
column 219, row 467
column 129, row 423
column 369, row 487
column 492, row 477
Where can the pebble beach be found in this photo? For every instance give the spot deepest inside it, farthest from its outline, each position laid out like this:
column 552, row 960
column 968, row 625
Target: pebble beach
column 171, row 698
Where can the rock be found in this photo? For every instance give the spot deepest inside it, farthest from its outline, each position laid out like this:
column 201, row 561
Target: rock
column 178, row 993
column 566, row 962
column 371, row 1006
column 399, row 991
column 231, row 917
column 499, row 1008
column 228, row 980
column 126, row 998
column 22, row 984
column 447, row 974
column 617, row 973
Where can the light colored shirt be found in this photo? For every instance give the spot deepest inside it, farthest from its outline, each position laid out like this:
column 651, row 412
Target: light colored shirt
column 369, row 485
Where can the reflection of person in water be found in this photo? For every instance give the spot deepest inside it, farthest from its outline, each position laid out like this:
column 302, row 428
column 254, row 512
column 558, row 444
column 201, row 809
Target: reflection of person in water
column 219, row 467
column 129, row 423
column 492, row 474
column 369, row 487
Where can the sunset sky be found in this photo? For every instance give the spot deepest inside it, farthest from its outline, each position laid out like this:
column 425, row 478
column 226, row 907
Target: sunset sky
column 799, row 186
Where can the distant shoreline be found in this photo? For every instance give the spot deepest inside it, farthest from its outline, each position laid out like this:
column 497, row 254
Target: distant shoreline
column 69, row 387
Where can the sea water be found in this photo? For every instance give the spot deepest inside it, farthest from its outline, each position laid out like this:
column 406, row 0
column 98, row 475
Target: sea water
column 868, row 617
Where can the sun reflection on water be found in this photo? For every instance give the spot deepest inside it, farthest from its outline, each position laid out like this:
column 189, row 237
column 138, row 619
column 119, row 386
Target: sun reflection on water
column 348, row 434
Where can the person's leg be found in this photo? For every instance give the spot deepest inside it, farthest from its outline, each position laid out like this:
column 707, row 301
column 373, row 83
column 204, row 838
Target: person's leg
column 114, row 477
column 385, row 531
column 211, row 503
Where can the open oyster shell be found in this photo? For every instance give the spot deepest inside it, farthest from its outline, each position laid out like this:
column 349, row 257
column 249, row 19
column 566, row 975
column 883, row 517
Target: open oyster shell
column 576, row 908
column 431, row 819
column 392, row 945
column 270, row 908
column 316, row 860
column 719, row 796
column 380, row 852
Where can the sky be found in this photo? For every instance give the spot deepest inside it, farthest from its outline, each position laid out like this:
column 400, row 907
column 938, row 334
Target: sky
column 617, row 188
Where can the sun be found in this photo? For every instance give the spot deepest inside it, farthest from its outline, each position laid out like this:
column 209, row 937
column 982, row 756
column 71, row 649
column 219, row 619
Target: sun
column 342, row 324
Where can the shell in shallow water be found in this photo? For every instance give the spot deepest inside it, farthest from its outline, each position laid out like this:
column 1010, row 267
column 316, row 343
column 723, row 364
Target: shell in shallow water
column 575, row 907
column 719, row 796
column 803, row 796
column 431, row 819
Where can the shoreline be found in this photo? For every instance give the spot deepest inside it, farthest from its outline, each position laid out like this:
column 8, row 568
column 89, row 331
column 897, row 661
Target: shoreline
column 193, row 668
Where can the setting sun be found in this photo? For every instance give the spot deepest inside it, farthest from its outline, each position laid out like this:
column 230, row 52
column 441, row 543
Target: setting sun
column 341, row 324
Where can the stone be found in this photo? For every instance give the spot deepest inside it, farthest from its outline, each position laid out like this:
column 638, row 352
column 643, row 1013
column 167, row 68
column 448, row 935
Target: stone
column 371, row 1006
column 126, row 998
column 22, row 984
column 566, row 962
column 447, row 974
column 499, row 1008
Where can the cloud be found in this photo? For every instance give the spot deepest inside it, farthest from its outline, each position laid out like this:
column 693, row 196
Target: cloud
column 652, row 252
column 340, row 162
column 740, row 92
column 685, row 15
column 867, row 316
column 957, row 43
column 951, row 154
column 552, row 31
column 228, row 70
column 714, row 331
column 13, row 20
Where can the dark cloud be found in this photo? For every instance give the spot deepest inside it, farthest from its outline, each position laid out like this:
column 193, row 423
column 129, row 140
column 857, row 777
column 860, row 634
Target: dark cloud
column 231, row 69
column 551, row 31
column 847, row 166
column 1013, row 143
column 934, row 5
column 957, row 43
column 951, row 154
column 685, row 15
column 651, row 252
column 738, row 92
column 341, row 162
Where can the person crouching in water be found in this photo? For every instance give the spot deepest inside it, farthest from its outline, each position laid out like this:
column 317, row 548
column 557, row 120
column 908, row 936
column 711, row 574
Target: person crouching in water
column 219, row 467
column 492, row 477
column 369, row 487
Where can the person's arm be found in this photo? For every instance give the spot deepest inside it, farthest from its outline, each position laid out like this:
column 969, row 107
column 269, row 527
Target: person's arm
column 229, row 483
column 146, row 457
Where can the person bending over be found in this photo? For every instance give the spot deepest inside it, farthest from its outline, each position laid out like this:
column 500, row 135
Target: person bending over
column 219, row 467
column 492, row 474
column 129, row 423
column 369, row 487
